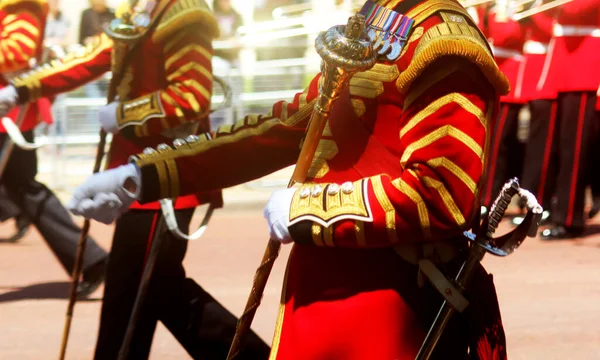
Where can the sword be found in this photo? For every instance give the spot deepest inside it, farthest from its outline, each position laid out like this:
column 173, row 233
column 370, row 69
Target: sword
column 482, row 243
column 15, row 134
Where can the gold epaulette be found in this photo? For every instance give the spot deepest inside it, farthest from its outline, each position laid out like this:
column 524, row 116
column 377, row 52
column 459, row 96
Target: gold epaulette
column 456, row 36
column 183, row 13
column 42, row 4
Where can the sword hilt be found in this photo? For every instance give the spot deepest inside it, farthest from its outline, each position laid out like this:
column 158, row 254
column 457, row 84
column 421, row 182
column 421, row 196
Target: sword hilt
column 510, row 189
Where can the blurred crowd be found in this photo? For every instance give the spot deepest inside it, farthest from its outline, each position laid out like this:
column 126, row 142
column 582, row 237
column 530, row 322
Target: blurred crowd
column 549, row 52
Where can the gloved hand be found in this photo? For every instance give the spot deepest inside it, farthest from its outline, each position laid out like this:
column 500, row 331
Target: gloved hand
column 107, row 116
column 8, row 99
column 107, row 195
column 277, row 213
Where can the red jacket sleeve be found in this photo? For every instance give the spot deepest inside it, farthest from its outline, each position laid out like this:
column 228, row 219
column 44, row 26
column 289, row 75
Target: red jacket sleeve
column 22, row 27
column 68, row 73
column 255, row 146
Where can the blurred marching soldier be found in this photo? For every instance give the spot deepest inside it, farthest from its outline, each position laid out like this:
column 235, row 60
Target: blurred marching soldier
column 10, row 210
column 22, row 24
column 164, row 93
column 396, row 178
column 572, row 68
column 506, row 152
column 540, row 152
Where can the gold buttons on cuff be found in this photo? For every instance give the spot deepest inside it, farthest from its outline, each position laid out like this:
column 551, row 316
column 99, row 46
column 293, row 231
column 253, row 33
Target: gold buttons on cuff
column 192, row 139
column 304, row 193
column 347, row 187
column 317, row 190
column 149, row 151
column 333, row 189
column 179, row 143
column 162, row 147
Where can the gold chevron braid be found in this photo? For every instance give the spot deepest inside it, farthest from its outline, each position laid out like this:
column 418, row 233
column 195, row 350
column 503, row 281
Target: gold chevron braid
column 441, row 132
column 19, row 25
column 435, row 106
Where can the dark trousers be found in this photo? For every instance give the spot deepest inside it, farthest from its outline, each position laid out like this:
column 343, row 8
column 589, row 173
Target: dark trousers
column 41, row 206
column 540, row 165
column 202, row 325
column 505, row 157
column 576, row 123
column 8, row 209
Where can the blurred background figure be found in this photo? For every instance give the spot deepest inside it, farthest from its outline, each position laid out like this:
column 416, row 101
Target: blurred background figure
column 229, row 23
column 93, row 20
column 57, row 27
column 92, row 24
column 34, row 200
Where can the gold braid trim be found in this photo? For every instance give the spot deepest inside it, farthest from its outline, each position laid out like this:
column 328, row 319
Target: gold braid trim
column 42, row 4
column 183, row 13
column 202, row 146
column 453, row 39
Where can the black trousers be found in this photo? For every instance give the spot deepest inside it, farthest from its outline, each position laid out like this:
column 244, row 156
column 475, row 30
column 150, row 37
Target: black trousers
column 8, row 209
column 41, row 206
column 576, row 123
column 540, row 165
column 505, row 157
column 202, row 325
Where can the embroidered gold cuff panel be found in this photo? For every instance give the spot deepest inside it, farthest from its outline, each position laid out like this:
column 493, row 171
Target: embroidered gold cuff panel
column 326, row 204
column 136, row 112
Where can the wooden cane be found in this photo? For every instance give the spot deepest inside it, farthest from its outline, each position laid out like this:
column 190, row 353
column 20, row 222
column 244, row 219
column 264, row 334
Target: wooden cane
column 344, row 51
column 77, row 269
column 133, row 39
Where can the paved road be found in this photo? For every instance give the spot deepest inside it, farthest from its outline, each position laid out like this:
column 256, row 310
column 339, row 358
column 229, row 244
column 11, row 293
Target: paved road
column 549, row 293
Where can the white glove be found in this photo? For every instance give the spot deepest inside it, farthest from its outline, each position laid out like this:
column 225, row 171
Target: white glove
column 103, row 197
column 107, row 116
column 277, row 213
column 8, row 99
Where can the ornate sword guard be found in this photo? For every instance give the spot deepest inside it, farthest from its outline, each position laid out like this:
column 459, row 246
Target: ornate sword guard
column 507, row 244
column 345, row 50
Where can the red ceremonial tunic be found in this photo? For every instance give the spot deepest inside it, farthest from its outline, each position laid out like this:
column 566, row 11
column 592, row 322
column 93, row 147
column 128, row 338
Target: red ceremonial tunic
column 573, row 63
column 22, row 24
column 165, row 90
column 507, row 38
column 538, row 32
column 399, row 167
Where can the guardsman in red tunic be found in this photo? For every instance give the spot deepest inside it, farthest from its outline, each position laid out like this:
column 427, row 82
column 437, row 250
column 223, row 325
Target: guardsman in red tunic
column 540, row 152
column 21, row 44
column 506, row 152
column 572, row 68
column 164, row 93
column 396, row 178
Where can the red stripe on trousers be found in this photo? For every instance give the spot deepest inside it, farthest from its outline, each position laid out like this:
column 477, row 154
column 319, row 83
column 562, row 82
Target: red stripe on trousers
column 150, row 238
column 580, row 120
column 494, row 154
column 547, row 151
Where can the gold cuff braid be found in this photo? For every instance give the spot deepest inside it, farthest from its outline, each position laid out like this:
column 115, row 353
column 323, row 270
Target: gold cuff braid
column 326, row 204
column 138, row 111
